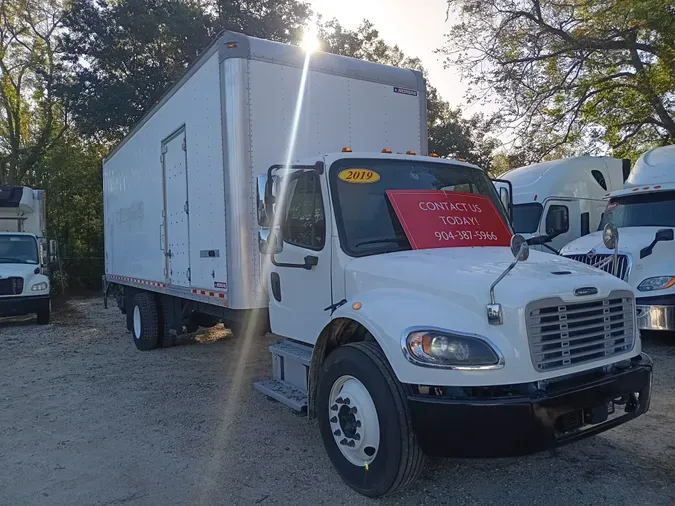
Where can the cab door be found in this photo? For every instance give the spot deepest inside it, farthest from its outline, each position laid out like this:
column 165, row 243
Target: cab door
column 299, row 276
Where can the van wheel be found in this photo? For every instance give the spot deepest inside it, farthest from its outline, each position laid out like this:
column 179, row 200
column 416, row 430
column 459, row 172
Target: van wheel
column 43, row 315
column 365, row 421
column 145, row 321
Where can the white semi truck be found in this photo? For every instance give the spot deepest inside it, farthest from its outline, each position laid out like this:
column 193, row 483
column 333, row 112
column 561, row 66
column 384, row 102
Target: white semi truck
column 264, row 191
column 561, row 200
column 24, row 253
column 644, row 213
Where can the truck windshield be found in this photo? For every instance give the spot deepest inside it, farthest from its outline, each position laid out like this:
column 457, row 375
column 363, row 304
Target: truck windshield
column 655, row 209
column 367, row 223
column 18, row 249
column 526, row 217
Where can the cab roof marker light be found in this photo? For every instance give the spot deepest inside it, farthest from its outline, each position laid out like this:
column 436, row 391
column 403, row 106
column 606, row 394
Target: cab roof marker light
column 386, row 150
column 347, row 149
column 433, row 155
column 410, row 153
column 657, row 186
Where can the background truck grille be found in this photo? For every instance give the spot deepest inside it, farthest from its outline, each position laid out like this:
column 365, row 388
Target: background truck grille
column 623, row 263
column 11, row 286
column 564, row 335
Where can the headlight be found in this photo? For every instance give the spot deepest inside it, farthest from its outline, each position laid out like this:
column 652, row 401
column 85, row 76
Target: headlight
column 437, row 348
column 657, row 283
column 38, row 287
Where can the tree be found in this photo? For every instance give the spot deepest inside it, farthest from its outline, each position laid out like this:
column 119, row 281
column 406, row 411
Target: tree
column 125, row 55
column 450, row 134
column 31, row 118
column 581, row 73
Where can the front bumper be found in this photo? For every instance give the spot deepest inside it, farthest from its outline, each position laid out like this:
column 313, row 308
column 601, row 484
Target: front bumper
column 552, row 415
column 656, row 313
column 18, row 306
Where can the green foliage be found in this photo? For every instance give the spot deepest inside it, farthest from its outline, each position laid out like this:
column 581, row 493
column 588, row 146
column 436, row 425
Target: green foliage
column 30, row 70
column 583, row 75
column 125, row 54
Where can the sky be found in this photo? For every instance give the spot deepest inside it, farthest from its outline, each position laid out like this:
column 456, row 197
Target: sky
column 418, row 27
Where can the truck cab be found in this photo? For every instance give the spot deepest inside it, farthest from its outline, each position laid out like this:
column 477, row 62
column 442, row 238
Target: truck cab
column 24, row 285
column 462, row 350
column 562, row 200
column 644, row 214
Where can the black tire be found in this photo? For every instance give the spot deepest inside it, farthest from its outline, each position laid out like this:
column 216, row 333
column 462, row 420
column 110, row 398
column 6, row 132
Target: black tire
column 399, row 459
column 149, row 321
column 44, row 315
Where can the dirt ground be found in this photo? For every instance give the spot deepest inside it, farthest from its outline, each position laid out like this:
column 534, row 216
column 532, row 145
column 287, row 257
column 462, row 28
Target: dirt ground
column 86, row 419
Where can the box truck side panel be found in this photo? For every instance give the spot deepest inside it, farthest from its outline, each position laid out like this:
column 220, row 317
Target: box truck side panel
column 137, row 234
column 366, row 112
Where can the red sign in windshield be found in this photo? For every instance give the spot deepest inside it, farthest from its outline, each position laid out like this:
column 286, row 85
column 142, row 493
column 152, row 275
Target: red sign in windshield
column 439, row 219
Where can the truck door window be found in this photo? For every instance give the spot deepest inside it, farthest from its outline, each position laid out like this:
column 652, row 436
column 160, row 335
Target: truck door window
column 553, row 210
column 305, row 223
column 526, row 217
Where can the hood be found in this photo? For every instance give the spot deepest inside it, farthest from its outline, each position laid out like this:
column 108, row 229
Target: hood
column 20, row 270
column 631, row 241
column 464, row 276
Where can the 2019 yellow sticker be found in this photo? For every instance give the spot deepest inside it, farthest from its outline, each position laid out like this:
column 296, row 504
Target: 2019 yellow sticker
column 359, row 176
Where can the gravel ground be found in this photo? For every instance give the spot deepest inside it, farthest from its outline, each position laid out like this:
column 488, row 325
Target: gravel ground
column 87, row 419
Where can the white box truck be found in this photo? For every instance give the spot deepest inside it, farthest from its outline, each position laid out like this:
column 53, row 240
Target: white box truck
column 264, row 190
column 644, row 213
column 24, row 258
column 558, row 201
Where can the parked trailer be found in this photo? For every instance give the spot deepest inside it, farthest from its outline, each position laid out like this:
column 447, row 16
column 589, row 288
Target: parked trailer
column 229, row 202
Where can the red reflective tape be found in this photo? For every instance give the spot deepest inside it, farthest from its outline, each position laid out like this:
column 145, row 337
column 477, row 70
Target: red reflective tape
column 203, row 292
column 221, row 295
column 212, row 294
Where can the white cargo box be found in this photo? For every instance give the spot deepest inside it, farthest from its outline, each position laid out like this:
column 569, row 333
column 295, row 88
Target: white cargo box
column 180, row 190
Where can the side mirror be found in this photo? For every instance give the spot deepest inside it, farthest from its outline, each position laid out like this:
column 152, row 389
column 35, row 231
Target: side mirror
column 556, row 222
column 270, row 243
column 665, row 234
column 266, row 199
column 610, row 236
column 53, row 251
column 505, row 197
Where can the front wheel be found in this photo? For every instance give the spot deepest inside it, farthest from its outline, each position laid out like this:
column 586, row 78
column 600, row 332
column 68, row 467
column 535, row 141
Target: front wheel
column 365, row 421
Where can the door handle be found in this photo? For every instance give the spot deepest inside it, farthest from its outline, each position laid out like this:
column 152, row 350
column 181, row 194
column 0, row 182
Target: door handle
column 161, row 236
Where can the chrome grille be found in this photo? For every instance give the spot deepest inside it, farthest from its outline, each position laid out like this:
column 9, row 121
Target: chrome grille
column 567, row 334
column 11, row 286
column 622, row 272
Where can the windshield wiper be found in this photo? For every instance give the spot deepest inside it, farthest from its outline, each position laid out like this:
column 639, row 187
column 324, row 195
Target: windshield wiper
column 11, row 260
column 397, row 240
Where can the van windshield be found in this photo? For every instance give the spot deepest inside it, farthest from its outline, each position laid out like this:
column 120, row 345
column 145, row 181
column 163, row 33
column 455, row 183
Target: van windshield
column 367, row 223
column 526, row 217
column 655, row 209
column 18, row 249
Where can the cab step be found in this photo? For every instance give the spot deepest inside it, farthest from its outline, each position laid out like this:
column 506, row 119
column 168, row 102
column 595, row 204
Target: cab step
column 290, row 373
column 284, row 392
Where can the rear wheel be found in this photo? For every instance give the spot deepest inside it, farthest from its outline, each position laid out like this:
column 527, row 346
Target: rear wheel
column 365, row 421
column 145, row 322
